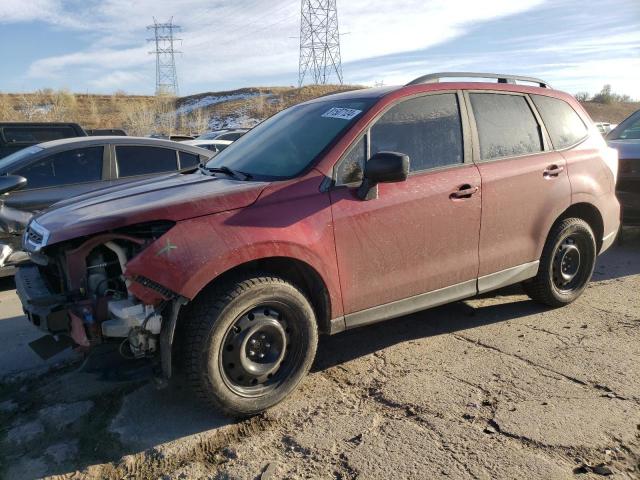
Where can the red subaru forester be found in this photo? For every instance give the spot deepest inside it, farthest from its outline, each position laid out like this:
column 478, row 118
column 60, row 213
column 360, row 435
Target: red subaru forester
column 336, row 213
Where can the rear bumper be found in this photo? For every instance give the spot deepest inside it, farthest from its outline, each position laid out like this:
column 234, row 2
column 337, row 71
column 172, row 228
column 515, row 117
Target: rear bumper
column 43, row 308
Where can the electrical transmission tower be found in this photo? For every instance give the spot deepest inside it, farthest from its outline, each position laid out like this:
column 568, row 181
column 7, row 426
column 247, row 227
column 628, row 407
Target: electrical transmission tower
column 166, row 76
column 319, row 42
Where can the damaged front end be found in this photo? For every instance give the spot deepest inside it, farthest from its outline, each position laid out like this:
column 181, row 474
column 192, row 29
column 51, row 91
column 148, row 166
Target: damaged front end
column 78, row 293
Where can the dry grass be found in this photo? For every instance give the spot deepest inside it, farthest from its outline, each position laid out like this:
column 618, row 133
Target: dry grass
column 613, row 112
column 141, row 115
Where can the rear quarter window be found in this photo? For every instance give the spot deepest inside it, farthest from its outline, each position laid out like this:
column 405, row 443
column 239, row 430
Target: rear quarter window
column 506, row 125
column 564, row 125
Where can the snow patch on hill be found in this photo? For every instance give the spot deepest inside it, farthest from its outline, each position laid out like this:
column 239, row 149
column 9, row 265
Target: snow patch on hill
column 209, row 100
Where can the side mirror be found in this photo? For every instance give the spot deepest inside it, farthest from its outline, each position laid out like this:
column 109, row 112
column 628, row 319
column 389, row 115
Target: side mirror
column 10, row 183
column 383, row 167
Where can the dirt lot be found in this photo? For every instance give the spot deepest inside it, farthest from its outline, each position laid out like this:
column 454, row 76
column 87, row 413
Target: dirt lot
column 493, row 387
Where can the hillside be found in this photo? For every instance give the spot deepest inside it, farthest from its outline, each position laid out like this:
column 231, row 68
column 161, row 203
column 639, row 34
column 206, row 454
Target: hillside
column 142, row 115
column 613, row 112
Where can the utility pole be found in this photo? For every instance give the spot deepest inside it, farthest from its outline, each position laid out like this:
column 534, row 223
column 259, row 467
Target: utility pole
column 163, row 40
column 320, row 59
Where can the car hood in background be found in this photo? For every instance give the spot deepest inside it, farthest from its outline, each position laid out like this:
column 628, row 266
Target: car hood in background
column 626, row 148
column 174, row 197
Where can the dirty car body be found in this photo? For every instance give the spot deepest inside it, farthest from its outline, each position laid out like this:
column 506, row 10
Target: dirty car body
column 319, row 209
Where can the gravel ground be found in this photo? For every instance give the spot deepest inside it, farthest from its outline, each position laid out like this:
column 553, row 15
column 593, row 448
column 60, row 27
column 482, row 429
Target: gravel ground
column 494, row 387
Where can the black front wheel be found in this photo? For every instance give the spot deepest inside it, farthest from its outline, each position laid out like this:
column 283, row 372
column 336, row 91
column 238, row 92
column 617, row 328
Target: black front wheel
column 566, row 265
column 249, row 343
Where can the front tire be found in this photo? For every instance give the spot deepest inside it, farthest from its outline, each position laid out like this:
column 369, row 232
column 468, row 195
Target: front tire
column 249, row 343
column 566, row 265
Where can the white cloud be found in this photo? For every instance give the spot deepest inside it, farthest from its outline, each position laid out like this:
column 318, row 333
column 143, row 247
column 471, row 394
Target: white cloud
column 117, row 80
column 238, row 42
column 230, row 41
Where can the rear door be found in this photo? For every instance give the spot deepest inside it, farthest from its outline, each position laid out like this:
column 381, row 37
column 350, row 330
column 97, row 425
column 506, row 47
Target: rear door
column 418, row 236
column 59, row 176
column 525, row 185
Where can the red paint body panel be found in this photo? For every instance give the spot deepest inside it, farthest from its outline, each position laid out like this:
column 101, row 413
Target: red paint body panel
column 412, row 239
column 519, row 206
column 290, row 219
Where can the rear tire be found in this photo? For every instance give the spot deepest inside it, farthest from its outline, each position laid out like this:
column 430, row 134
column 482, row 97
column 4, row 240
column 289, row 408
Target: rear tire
column 566, row 265
column 248, row 343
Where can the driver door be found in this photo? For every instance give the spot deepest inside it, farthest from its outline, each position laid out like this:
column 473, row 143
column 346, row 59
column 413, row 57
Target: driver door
column 416, row 244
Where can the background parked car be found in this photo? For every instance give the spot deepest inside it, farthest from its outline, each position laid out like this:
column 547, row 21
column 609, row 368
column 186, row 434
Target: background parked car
column 99, row 132
column 626, row 139
column 227, row 134
column 15, row 136
column 213, row 145
column 65, row 168
column 605, row 127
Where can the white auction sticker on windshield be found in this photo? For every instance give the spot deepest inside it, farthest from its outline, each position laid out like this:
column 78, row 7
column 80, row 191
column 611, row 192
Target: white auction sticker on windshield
column 342, row 113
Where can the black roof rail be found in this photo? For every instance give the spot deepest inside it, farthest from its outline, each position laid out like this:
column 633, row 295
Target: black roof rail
column 436, row 77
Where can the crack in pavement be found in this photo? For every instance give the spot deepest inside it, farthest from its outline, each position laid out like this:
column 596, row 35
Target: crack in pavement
column 577, row 381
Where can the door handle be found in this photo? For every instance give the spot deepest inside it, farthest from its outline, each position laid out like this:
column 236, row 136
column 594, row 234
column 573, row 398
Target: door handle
column 465, row 191
column 553, row 171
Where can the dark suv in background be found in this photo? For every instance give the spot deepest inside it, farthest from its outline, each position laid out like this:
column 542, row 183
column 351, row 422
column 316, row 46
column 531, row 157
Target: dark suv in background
column 15, row 136
column 626, row 139
column 333, row 214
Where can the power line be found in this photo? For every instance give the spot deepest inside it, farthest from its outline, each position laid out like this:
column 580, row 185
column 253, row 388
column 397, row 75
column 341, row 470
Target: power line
column 320, row 56
column 166, row 76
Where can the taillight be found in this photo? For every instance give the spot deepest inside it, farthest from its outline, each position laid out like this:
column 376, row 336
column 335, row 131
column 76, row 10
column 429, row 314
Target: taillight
column 610, row 157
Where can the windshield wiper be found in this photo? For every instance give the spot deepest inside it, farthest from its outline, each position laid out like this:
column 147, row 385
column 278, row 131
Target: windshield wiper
column 227, row 171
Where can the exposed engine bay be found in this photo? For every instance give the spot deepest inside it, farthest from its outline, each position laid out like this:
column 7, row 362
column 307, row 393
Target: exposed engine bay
column 78, row 289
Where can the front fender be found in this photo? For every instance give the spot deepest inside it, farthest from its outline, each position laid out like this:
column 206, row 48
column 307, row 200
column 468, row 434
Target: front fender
column 291, row 220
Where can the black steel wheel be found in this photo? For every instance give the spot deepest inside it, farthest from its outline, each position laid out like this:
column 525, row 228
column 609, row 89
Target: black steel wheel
column 259, row 350
column 248, row 343
column 566, row 265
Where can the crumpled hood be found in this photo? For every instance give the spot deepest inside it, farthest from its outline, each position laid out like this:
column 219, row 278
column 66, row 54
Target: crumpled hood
column 173, row 197
column 626, row 148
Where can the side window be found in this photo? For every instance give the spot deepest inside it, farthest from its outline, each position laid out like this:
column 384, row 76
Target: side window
column 189, row 160
column 563, row 123
column 506, row 125
column 134, row 160
column 427, row 128
column 351, row 167
column 65, row 168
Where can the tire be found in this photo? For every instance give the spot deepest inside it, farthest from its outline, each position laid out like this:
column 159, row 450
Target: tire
column 248, row 343
column 564, row 273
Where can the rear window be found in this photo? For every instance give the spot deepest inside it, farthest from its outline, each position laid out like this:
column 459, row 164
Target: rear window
column 36, row 134
column 65, row 168
column 506, row 125
column 139, row 160
column 563, row 123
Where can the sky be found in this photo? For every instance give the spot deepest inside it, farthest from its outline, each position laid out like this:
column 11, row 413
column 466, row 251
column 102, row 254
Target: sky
column 99, row 46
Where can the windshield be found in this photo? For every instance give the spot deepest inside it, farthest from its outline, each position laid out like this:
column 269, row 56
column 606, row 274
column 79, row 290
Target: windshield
column 627, row 130
column 287, row 143
column 209, row 135
column 16, row 157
